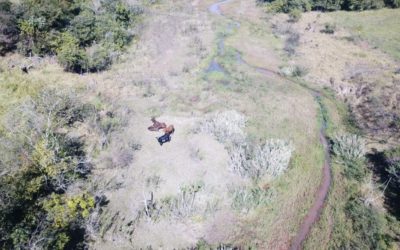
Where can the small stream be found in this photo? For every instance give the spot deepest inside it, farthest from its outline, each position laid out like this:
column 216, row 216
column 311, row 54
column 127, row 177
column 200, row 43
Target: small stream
column 214, row 66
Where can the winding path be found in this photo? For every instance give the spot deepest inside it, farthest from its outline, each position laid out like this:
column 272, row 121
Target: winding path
column 315, row 211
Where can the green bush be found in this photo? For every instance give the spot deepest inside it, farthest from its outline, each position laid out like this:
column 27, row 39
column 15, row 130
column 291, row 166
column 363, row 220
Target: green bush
column 8, row 28
column 35, row 212
column 294, row 15
column 392, row 158
column 111, row 33
column 392, row 3
column 329, row 28
column 362, row 4
column 37, row 18
column 83, row 27
column 246, row 198
column 67, row 29
column 72, row 57
column 305, row 5
column 350, row 150
column 329, row 5
column 287, row 6
column 368, row 226
column 99, row 58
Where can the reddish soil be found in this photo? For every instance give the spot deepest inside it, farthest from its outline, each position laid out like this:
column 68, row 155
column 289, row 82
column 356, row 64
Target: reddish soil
column 315, row 211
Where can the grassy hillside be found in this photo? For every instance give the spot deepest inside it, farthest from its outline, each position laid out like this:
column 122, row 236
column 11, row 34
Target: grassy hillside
column 378, row 27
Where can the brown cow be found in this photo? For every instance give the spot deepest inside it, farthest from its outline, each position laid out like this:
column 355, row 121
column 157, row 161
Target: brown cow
column 157, row 125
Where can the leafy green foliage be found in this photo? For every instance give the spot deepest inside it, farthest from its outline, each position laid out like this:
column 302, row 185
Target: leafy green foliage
column 329, row 5
column 362, row 4
column 68, row 29
column 37, row 166
column 359, row 224
column 8, row 28
column 83, row 27
column 350, row 149
column 287, row 6
column 63, row 211
column 294, row 15
column 368, row 227
column 70, row 55
column 393, row 159
column 392, row 3
column 246, row 198
column 99, row 58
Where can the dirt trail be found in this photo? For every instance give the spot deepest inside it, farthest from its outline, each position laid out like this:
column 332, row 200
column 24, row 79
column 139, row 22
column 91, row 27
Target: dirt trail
column 314, row 213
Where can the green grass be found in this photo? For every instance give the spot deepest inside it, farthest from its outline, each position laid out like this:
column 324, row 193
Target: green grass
column 14, row 87
column 345, row 221
column 381, row 28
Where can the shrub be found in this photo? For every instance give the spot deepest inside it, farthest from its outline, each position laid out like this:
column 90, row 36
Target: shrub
column 329, row 5
column 392, row 158
column 293, row 71
column 70, row 55
column 362, row 4
column 83, row 27
column 67, row 28
column 305, row 5
column 62, row 211
column 114, row 36
column 35, row 213
column 292, row 42
column 247, row 160
column 392, row 3
column 287, row 6
column 329, row 28
column 294, row 15
column 368, row 226
column 99, row 58
column 8, row 28
column 245, row 198
column 226, row 126
column 350, row 149
column 273, row 157
column 183, row 204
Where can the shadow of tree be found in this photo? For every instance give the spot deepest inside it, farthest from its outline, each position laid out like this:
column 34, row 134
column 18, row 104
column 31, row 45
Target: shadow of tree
column 380, row 167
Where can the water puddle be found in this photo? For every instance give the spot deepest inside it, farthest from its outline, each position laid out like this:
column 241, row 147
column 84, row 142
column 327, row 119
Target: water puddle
column 221, row 47
column 214, row 8
column 214, row 66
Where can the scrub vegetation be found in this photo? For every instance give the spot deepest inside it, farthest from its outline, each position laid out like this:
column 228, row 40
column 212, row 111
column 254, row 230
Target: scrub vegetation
column 85, row 36
column 272, row 102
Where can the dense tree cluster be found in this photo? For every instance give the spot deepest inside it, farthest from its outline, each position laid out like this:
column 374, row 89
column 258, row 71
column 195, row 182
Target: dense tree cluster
column 84, row 36
column 328, row 5
column 39, row 162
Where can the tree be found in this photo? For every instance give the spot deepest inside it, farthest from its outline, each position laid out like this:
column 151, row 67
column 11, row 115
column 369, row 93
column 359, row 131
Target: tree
column 8, row 28
column 70, row 55
column 83, row 27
